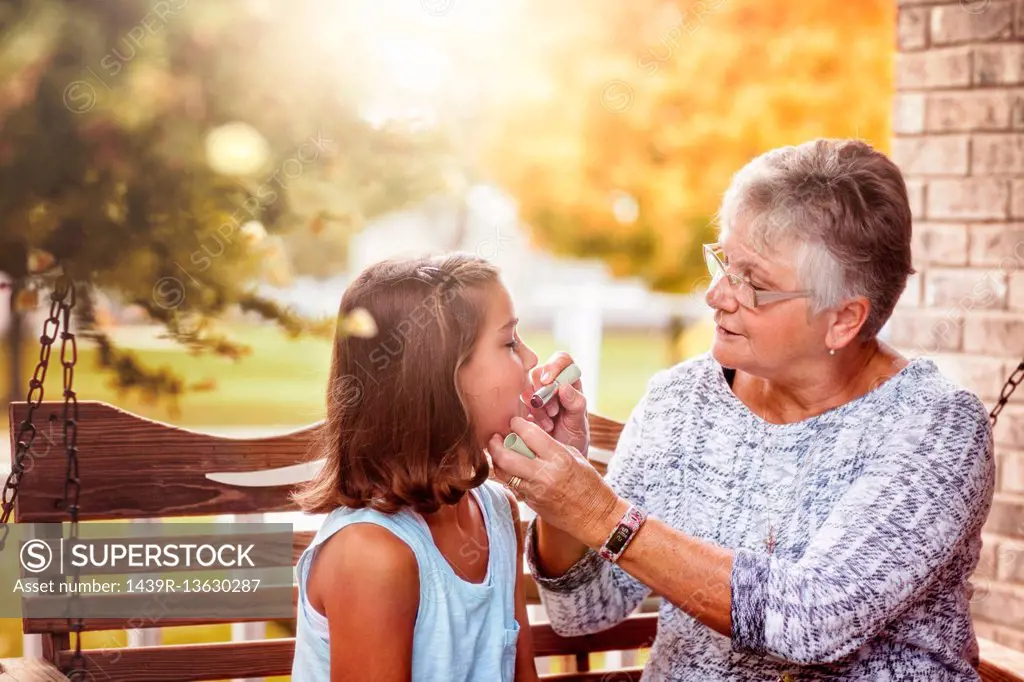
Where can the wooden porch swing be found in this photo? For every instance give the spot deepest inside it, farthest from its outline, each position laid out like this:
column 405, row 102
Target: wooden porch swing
column 122, row 466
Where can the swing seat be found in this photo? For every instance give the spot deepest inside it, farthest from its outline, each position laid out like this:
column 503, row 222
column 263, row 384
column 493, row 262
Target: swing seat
column 135, row 468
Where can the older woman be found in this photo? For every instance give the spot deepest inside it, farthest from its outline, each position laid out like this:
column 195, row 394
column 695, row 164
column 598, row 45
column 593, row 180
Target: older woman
column 807, row 501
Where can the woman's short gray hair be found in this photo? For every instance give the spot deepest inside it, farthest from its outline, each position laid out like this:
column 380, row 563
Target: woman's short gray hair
column 844, row 206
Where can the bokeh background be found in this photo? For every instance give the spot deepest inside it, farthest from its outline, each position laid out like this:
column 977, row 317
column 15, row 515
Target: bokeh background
column 219, row 171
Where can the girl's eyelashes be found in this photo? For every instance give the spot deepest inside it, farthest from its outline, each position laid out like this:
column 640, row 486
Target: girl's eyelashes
column 514, row 344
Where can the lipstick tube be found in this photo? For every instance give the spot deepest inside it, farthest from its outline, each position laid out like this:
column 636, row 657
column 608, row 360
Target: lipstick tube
column 544, row 394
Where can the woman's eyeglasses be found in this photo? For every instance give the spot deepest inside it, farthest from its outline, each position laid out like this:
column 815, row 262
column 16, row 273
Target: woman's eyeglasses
column 746, row 293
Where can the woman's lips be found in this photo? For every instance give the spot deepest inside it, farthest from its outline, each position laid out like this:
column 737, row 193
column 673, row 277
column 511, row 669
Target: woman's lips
column 722, row 331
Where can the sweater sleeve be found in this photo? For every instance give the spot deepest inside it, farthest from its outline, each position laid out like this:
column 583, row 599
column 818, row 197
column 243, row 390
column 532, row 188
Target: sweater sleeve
column 920, row 498
column 594, row 594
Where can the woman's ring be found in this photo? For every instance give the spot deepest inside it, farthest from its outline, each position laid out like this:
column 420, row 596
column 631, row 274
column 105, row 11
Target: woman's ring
column 513, row 484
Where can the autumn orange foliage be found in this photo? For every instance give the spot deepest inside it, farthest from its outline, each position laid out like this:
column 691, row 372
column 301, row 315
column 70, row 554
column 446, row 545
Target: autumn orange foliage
column 663, row 102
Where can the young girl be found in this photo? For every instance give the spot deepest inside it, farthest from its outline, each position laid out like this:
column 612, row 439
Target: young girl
column 415, row 573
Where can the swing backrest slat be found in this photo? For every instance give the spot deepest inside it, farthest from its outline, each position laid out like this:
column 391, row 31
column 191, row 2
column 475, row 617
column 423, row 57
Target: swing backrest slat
column 135, row 468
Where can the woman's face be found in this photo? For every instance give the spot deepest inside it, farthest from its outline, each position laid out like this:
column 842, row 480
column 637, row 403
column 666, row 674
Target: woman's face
column 497, row 372
column 773, row 337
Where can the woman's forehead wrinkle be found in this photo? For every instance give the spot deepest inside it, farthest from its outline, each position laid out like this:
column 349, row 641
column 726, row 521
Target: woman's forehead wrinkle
column 743, row 253
column 770, row 269
column 755, row 262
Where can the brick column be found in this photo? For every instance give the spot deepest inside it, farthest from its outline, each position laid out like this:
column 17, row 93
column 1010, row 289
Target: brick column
column 958, row 121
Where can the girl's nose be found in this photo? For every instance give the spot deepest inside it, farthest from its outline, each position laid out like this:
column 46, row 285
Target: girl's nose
column 530, row 357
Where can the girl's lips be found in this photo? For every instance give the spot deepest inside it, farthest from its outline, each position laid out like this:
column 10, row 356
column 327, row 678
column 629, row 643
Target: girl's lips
column 521, row 409
column 523, row 404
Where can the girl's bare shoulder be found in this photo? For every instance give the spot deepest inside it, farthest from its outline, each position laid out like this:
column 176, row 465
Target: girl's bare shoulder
column 365, row 558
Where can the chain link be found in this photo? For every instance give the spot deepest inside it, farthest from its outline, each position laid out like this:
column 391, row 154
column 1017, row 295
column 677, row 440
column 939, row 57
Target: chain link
column 72, row 484
column 1015, row 378
column 27, row 431
column 62, row 301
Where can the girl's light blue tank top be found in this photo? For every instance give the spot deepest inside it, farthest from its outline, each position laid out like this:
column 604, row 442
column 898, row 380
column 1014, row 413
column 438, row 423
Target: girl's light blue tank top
column 465, row 632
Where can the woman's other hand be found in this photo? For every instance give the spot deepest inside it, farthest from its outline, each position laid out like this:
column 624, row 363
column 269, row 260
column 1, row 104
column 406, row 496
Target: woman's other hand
column 565, row 415
column 564, row 489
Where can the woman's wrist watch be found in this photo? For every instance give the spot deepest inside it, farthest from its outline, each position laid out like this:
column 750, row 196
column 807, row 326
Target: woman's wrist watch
column 623, row 534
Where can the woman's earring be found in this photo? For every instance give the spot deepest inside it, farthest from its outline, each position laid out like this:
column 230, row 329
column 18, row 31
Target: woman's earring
column 831, row 351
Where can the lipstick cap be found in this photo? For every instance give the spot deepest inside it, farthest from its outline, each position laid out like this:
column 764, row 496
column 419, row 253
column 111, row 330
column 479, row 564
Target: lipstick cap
column 544, row 394
column 514, row 442
column 569, row 374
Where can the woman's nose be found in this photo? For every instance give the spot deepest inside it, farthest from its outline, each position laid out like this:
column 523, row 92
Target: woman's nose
column 720, row 296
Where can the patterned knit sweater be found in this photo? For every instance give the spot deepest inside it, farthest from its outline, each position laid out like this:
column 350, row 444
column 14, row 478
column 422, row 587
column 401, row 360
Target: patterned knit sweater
column 877, row 507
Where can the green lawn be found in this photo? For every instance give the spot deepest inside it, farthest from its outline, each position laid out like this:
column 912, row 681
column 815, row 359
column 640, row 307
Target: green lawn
column 283, row 381
column 282, row 384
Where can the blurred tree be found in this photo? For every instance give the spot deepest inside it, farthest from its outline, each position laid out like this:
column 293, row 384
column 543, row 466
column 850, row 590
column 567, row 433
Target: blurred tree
column 175, row 154
column 621, row 124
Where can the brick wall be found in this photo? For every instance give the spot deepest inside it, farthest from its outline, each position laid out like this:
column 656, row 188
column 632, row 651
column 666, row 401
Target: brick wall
column 958, row 121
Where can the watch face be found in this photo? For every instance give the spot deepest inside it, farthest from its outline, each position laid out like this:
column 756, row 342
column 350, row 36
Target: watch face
column 618, row 538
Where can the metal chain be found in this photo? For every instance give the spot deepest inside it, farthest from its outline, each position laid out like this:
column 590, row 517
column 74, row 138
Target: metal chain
column 27, row 431
column 1015, row 378
column 72, row 485
column 62, row 301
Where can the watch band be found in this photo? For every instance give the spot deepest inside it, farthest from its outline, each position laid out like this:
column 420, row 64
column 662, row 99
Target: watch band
column 623, row 534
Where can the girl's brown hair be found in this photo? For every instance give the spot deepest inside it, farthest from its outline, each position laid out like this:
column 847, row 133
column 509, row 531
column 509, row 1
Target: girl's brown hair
column 398, row 432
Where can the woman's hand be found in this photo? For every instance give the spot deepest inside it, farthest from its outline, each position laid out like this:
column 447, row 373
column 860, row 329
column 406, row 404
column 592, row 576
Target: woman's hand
column 565, row 415
column 560, row 485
